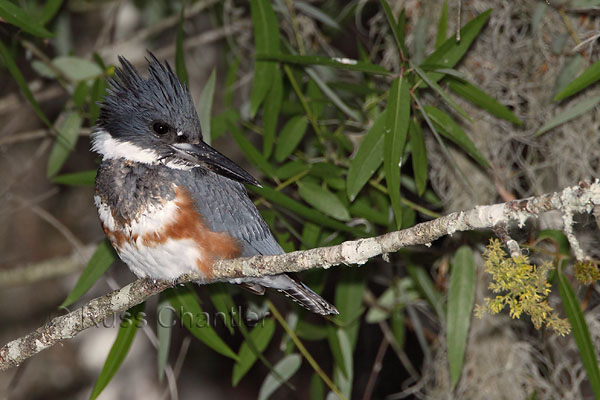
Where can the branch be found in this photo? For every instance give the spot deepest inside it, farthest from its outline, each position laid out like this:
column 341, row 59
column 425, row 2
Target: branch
column 577, row 199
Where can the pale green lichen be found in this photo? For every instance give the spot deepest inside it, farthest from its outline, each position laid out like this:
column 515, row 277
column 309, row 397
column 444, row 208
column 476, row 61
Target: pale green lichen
column 520, row 286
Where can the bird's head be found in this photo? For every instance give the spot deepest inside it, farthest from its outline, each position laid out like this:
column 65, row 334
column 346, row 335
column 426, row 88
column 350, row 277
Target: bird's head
column 153, row 121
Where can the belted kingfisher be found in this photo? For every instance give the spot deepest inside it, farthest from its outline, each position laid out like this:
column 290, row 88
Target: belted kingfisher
column 168, row 202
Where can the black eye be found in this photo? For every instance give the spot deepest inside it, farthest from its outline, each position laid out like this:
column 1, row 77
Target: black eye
column 160, row 128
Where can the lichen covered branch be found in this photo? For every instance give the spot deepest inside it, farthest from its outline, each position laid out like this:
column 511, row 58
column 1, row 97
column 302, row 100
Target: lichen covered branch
column 577, row 199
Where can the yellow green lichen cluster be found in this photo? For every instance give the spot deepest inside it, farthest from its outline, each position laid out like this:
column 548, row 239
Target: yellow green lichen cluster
column 587, row 272
column 520, row 286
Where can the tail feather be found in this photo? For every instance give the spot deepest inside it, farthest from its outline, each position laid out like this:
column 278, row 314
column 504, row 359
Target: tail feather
column 298, row 292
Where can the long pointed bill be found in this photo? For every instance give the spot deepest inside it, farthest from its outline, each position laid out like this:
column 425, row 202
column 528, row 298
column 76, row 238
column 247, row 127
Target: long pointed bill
column 204, row 155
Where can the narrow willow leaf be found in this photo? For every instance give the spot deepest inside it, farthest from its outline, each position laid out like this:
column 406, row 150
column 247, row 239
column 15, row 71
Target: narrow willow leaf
column 285, row 368
column 461, row 295
column 569, row 114
column 323, row 200
column 101, row 260
column 255, row 156
column 180, row 69
column 348, row 300
column 587, row 78
column 335, row 99
column 419, row 155
column 398, row 33
column 309, row 331
column 303, row 211
column 440, row 37
column 64, row 143
column 164, row 324
column 14, row 70
column 362, row 208
column 120, row 348
column 317, row 14
column 266, row 38
column 83, row 178
column 49, row 11
column 449, row 128
column 291, row 168
column 223, row 302
column 14, row 15
column 317, row 389
column 77, row 69
column 271, row 113
column 418, row 42
column 340, row 63
column 450, row 52
column 97, row 93
column 423, row 281
column 431, row 83
column 481, row 99
column 190, row 313
column 290, row 136
column 368, row 158
column 205, row 106
column 568, row 72
column 336, row 351
column 341, row 380
column 396, row 128
column 581, row 333
column 261, row 336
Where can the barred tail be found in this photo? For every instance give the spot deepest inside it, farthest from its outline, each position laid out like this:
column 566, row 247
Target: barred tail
column 298, row 292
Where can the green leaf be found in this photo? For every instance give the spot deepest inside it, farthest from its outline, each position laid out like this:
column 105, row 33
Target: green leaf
column 461, row 295
column 14, row 70
column 205, row 106
column 317, row 389
column 587, row 78
column 255, row 156
column 97, row 93
column 77, row 69
column 368, row 158
column 418, row 42
column 397, row 115
column 440, row 91
column 349, row 302
column 190, row 313
column 309, row 331
column 419, row 155
column 442, row 26
column 303, row 211
column 343, row 380
column 290, row 136
column 49, row 11
column 323, row 200
column 398, row 33
column 450, row 52
column 14, row 15
column 271, row 113
column 569, row 114
column 568, row 72
column 266, row 38
column 83, row 178
column 335, row 99
column 164, row 324
column 120, row 348
column 450, row 129
column 285, row 369
column 223, row 302
column 180, row 69
column 423, row 281
column 261, row 336
column 317, row 14
column 64, row 143
column 481, row 99
column 581, row 333
column 101, row 260
column 340, row 63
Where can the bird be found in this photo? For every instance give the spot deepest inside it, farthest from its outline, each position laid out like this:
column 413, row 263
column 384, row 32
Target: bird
column 168, row 202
